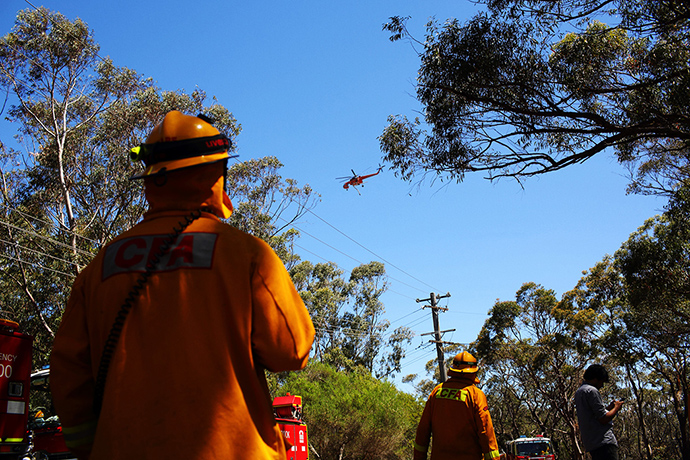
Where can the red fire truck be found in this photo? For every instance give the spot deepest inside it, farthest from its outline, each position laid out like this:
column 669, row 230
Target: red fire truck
column 28, row 429
column 288, row 413
column 15, row 375
column 524, row 448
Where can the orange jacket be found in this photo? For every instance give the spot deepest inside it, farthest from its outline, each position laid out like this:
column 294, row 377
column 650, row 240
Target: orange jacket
column 457, row 416
column 187, row 378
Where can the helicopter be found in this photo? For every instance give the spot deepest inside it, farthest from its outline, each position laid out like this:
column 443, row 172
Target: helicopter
column 356, row 179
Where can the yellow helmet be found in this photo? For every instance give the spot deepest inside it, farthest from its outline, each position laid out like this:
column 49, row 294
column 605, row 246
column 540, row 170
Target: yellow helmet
column 180, row 141
column 464, row 363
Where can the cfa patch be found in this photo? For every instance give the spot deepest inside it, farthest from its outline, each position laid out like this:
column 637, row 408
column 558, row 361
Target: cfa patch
column 189, row 250
column 452, row 393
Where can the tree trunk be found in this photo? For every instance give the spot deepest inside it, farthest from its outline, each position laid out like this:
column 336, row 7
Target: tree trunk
column 60, row 138
column 638, row 392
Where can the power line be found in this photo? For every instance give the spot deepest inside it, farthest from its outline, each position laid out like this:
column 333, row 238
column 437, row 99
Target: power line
column 418, row 358
column 419, row 310
column 415, row 323
column 370, row 251
column 60, row 226
column 44, row 237
column 415, row 356
column 24, row 248
column 328, row 245
column 55, row 24
column 71, row 275
column 51, row 240
column 345, row 270
column 344, row 330
column 348, row 255
column 318, row 217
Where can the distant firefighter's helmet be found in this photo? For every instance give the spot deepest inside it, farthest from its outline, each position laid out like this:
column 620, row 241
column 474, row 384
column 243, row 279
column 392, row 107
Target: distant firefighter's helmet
column 464, row 363
column 180, row 141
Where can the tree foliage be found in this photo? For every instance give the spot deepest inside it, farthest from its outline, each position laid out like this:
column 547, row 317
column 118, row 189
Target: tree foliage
column 55, row 212
column 628, row 312
column 534, row 350
column 267, row 205
column 654, row 264
column 65, row 187
column 533, row 86
column 353, row 416
column 347, row 315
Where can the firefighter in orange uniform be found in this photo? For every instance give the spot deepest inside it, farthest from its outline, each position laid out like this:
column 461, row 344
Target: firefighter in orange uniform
column 457, row 416
column 213, row 309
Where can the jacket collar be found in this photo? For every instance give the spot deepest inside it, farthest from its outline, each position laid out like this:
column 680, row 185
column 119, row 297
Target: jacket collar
column 188, row 190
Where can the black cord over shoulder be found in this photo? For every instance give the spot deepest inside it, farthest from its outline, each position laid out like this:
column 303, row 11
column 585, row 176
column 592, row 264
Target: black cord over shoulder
column 119, row 323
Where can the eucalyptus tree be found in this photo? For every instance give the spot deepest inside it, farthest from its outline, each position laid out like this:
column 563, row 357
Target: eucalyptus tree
column 267, row 205
column 654, row 263
column 64, row 178
column 61, row 87
column 351, row 332
column 52, row 206
column 529, row 87
column 533, row 350
column 641, row 292
column 365, row 319
column 326, row 294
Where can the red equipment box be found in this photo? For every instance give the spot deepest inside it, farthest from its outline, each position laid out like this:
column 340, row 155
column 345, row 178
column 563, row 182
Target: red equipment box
column 15, row 375
column 296, row 434
column 288, row 414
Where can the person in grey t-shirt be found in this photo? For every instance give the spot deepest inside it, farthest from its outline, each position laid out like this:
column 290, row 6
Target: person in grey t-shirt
column 595, row 419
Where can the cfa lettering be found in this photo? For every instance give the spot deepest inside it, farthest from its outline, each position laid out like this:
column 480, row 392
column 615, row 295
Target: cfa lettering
column 136, row 250
column 452, row 393
column 189, row 250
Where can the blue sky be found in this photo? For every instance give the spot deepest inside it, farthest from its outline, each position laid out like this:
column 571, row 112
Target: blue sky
column 313, row 83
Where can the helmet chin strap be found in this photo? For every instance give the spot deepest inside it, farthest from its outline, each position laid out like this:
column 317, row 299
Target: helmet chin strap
column 227, row 204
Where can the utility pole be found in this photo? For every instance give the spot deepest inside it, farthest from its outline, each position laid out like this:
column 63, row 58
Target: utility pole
column 433, row 299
